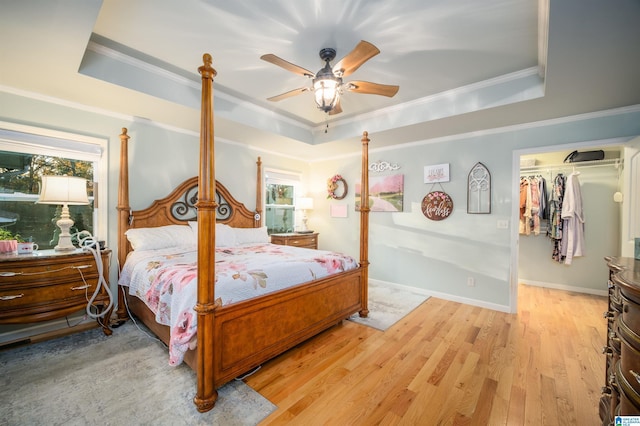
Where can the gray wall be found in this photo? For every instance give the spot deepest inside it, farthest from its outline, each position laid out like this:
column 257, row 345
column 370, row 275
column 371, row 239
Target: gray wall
column 405, row 248
column 439, row 257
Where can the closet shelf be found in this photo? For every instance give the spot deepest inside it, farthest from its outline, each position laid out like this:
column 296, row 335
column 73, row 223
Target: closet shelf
column 615, row 162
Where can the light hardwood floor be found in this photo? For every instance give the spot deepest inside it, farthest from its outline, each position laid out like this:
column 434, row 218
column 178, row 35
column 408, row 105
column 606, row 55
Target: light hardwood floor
column 448, row 363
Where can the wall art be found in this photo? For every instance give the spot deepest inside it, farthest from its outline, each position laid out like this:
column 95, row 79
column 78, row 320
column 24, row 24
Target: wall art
column 338, row 210
column 479, row 190
column 385, row 193
column 436, row 173
column 437, row 205
column 383, row 166
column 337, row 187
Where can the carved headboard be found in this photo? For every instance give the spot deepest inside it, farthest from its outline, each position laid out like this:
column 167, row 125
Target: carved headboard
column 179, row 207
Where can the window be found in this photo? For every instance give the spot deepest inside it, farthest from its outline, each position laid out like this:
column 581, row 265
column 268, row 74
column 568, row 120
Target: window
column 281, row 191
column 26, row 154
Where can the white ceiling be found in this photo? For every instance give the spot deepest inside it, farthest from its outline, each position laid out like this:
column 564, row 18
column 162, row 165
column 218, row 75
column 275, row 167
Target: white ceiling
column 462, row 65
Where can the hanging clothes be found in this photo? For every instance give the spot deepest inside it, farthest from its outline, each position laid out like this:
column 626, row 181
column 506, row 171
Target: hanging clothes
column 572, row 220
column 544, row 198
column 555, row 215
column 525, row 206
column 533, row 204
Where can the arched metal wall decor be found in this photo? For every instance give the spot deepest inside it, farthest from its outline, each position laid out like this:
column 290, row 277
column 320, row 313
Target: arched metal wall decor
column 479, row 190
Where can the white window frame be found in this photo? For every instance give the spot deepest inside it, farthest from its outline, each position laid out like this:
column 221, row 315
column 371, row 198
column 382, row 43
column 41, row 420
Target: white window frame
column 37, row 140
column 284, row 177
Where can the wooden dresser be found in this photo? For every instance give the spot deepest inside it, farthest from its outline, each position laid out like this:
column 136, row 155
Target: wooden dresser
column 294, row 239
column 47, row 284
column 621, row 392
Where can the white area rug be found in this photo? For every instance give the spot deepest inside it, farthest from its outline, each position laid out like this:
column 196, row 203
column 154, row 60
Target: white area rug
column 388, row 305
column 91, row 379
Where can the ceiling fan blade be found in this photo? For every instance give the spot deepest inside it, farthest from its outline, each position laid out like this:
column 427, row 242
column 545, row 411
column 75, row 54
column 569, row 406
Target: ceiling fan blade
column 358, row 56
column 288, row 94
column 372, row 88
column 337, row 109
column 287, row 65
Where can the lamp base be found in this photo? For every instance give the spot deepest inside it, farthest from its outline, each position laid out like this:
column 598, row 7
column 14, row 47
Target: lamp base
column 306, row 231
column 64, row 223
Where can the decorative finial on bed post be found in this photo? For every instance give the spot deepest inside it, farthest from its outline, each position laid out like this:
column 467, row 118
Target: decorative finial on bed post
column 207, row 70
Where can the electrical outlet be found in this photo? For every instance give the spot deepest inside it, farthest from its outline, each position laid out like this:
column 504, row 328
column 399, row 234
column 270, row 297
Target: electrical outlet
column 471, row 282
column 503, row 224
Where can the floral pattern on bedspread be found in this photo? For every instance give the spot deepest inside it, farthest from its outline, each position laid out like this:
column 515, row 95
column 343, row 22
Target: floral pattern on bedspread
column 166, row 280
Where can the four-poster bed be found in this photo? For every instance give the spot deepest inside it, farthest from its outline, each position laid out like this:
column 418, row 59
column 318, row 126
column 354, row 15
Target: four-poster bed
column 236, row 337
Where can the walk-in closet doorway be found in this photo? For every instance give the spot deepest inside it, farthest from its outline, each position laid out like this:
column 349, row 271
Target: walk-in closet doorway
column 532, row 261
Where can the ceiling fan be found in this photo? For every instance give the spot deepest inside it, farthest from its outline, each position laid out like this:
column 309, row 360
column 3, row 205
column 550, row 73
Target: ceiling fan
column 327, row 83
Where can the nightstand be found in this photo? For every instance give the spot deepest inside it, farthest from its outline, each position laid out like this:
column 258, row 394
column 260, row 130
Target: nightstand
column 47, row 285
column 294, row 239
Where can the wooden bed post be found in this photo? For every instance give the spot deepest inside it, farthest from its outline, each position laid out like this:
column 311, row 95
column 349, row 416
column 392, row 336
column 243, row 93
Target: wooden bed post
column 259, row 191
column 364, row 225
column 207, row 394
column 124, row 210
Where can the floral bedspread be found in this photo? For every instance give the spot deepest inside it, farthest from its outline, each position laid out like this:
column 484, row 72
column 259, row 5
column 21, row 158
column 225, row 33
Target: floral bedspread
column 166, row 280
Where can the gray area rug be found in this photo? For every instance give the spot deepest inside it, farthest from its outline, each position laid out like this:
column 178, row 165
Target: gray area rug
column 91, row 379
column 388, row 305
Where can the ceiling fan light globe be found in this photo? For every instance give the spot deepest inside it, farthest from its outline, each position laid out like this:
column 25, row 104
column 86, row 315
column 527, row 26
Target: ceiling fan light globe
column 326, row 92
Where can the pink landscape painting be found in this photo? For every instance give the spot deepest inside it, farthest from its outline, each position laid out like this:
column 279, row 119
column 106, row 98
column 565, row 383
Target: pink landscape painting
column 385, row 193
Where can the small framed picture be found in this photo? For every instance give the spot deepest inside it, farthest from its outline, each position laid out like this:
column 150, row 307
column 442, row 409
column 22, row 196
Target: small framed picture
column 436, row 173
column 338, row 210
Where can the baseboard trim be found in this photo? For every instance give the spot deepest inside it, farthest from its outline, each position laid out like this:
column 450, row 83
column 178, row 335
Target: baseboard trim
column 446, row 296
column 565, row 287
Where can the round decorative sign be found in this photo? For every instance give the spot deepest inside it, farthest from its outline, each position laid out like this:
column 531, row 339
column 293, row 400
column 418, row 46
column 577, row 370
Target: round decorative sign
column 437, row 205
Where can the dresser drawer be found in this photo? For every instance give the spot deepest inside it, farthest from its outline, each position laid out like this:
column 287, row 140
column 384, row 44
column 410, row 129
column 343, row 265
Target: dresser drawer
column 49, row 285
column 298, row 240
column 302, row 242
column 51, row 294
column 629, row 397
column 630, row 312
column 18, row 275
column 629, row 362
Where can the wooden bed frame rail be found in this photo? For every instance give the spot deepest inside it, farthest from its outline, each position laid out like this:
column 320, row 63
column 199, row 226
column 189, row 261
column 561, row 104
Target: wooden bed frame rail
column 235, row 338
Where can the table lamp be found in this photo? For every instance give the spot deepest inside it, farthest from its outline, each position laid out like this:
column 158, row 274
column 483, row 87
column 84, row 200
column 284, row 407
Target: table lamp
column 304, row 204
column 64, row 190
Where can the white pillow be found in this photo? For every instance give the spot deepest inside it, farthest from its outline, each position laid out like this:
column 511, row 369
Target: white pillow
column 225, row 236
column 251, row 235
column 161, row 237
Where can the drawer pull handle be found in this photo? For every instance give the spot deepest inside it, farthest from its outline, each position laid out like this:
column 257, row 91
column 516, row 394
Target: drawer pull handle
column 16, row 296
column 82, row 287
column 636, row 375
column 48, row 271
